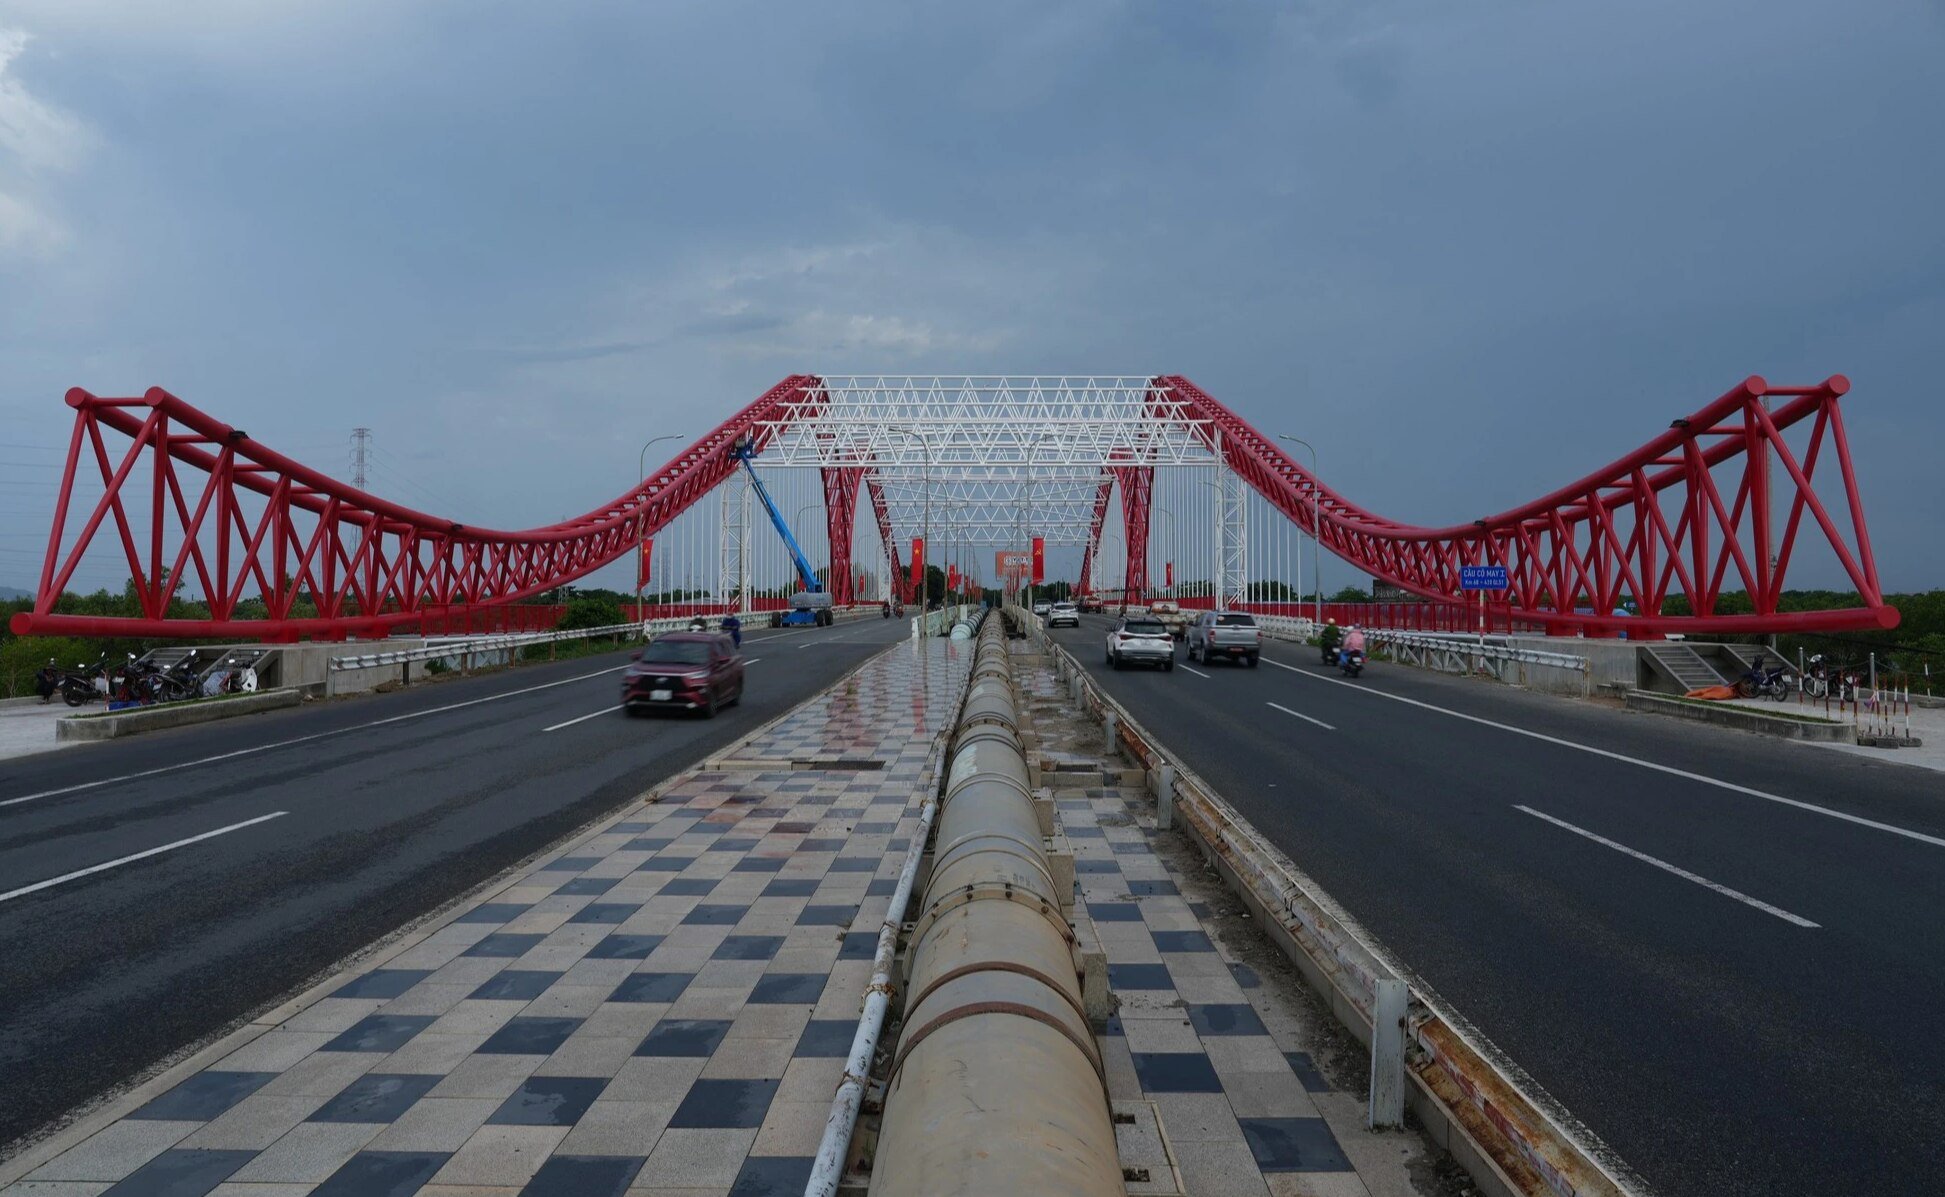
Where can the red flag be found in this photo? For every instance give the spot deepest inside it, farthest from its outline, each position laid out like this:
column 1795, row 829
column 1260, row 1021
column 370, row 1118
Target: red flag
column 1039, row 560
column 641, row 566
column 918, row 566
column 1168, row 573
column 952, row 577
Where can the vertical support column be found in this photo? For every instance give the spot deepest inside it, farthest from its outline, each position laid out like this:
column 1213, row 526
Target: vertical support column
column 1137, row 484
column 733, row 563
column 840, row 515
column 1093, row 545
column 1232, row 535
column 1388, row 1054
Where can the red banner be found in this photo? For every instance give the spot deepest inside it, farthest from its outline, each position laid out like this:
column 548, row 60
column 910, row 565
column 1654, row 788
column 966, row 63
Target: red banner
column 952, row 577
column 641, row 566
column 1039, row 560
column 1168, row 573
column 918, row 567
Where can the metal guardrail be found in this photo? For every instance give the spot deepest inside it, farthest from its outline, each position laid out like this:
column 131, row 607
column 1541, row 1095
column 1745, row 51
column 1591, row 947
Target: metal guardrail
column 1447, row 652
column 1461, row 1088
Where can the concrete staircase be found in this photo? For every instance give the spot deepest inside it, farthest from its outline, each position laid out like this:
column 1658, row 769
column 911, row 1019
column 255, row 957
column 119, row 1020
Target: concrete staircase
column 1684, row 665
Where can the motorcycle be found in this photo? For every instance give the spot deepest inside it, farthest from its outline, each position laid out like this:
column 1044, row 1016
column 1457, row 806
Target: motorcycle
column 84, row 684
column 1330, row 654
column 1351, row 661
column 1765, row 683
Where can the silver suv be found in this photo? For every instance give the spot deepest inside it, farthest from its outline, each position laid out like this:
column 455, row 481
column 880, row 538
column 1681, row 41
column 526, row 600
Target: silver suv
column 1063, row 613
column 1139, row 640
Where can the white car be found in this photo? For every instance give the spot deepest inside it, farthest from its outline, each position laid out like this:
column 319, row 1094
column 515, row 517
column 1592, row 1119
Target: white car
column 1138, row 640
column 1063, row 613
column 1041, row 609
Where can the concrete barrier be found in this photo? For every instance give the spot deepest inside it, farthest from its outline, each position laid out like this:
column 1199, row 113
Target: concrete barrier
column 115, row 724
column 997, row 1083
column 1818, row 731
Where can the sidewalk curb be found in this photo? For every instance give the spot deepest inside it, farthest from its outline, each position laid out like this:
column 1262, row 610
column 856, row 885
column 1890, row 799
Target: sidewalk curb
column 1743, row 719
column 113, row 725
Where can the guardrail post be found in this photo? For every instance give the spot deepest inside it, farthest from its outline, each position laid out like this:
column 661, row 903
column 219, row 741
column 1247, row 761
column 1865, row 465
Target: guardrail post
column 1388, row 1054
column 1164, row 796
column 1110, row 730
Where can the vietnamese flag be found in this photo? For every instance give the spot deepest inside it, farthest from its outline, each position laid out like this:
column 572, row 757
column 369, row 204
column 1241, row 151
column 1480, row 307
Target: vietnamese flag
column 641, row 566
column 918, row 566
column 1168, row 573
column 952, row 577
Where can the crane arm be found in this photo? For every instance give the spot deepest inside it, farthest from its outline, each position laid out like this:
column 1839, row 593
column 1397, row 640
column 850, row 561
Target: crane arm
column 805, row 574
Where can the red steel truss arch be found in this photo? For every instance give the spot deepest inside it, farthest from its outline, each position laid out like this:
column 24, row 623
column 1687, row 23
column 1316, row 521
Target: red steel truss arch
column 1657, row 523
column 239, row 519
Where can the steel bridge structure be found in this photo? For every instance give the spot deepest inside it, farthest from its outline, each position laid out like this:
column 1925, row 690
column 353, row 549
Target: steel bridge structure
column 1695, row 531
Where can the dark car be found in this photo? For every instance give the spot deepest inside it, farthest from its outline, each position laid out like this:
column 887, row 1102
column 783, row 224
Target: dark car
column 684, row 671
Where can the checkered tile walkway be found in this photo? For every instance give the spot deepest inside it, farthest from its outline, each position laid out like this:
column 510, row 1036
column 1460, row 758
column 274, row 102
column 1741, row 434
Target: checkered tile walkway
column 663, row 1007
column 1211, row 1086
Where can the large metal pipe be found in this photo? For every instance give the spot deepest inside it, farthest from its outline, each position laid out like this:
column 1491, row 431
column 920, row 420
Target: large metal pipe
column 997, row 1084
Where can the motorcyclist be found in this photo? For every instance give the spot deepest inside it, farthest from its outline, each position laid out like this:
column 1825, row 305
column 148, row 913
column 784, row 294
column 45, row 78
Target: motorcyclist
column 884, row 609
column 1329, row 639
column 698, row 624
column 47, row 679
column 734, row 627
column 1354, row 640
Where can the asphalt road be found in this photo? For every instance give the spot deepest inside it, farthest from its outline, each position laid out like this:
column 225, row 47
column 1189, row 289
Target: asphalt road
column 390, row 806
column 1717, row 1043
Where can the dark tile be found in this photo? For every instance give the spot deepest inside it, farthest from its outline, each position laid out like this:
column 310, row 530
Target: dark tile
column 504, row 943
column 684, row 1037
column 382, row 983
column 584, row 1176
column 181, row 1173
column 630, row 828
column 748, row 947
column 854, row 864
column 549, row 1101
column 715, row 915
column 1293, row 1145
column 608, row 913
column 1114, row 912
column 625, row 947
column 204, row 1096
column 573, row 864
column 881, row 887
column 791, row 887
column 1129, row 847
column 739, row 843
column 647, row 843
column 1139, row 976
column 759, row 864
column 651, row 987
column 383, row 1174
column 827, row 916
column 845, row 812
column 376, row 1097
column 665, row 864
column 821, row 844
column 379, row 1033
column 1085, row 866
column 1226, row 1018
column 1182, row 941
column 827, row 1038
column 495, row 912
column 784, row 989
column 1083, row 832
column 1176, row 1072
column 899, row 843
column 1200, row 910
column 772, row 1176
column 1306, row 1070
column 690, row 887
column 529, row 1037
column 588, row 886
column 725, row 1104
column 859, row 945
column 1151, row 889
column 1246, row 976
column 516, row 984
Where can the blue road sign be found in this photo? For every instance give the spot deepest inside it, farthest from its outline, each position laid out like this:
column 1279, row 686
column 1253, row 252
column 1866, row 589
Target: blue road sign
column 1482, row 577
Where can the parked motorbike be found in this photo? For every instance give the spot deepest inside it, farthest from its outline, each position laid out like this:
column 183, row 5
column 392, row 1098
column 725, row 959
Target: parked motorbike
column 1765, row 683
column 1351, row 662
column 84, row 684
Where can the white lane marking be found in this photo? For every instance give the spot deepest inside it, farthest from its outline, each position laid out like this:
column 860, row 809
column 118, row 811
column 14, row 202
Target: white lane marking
column 1196, row 672
column 1299, row 714
column 226, row 756
column 24, row 890
column 607, row 710
column 1894, row 829
column 1684, row 874
column 752, row 660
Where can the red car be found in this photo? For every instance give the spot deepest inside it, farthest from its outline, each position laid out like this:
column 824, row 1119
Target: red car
column 684, row 671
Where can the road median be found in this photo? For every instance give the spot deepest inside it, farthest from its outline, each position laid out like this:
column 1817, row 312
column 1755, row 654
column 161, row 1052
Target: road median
column 1790, row 727
column 112, row 725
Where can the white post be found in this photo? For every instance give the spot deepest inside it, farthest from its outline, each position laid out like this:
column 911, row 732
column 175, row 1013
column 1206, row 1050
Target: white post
column 1164, row 797
column 1388, row 1054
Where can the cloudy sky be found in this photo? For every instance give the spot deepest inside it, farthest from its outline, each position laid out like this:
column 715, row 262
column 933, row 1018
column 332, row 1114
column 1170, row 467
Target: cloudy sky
column 1469, row 250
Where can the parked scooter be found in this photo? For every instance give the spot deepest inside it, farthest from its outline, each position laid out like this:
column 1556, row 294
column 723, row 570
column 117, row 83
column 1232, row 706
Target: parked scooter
column 1765, row 683
column 85, row 684
column 1351, row 661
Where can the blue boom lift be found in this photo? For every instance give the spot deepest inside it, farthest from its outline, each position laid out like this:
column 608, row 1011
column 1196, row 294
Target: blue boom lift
column 810, row 606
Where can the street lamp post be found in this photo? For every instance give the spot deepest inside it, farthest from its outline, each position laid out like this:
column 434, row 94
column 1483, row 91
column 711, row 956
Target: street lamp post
column 642, row 469
column 1316, row 534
